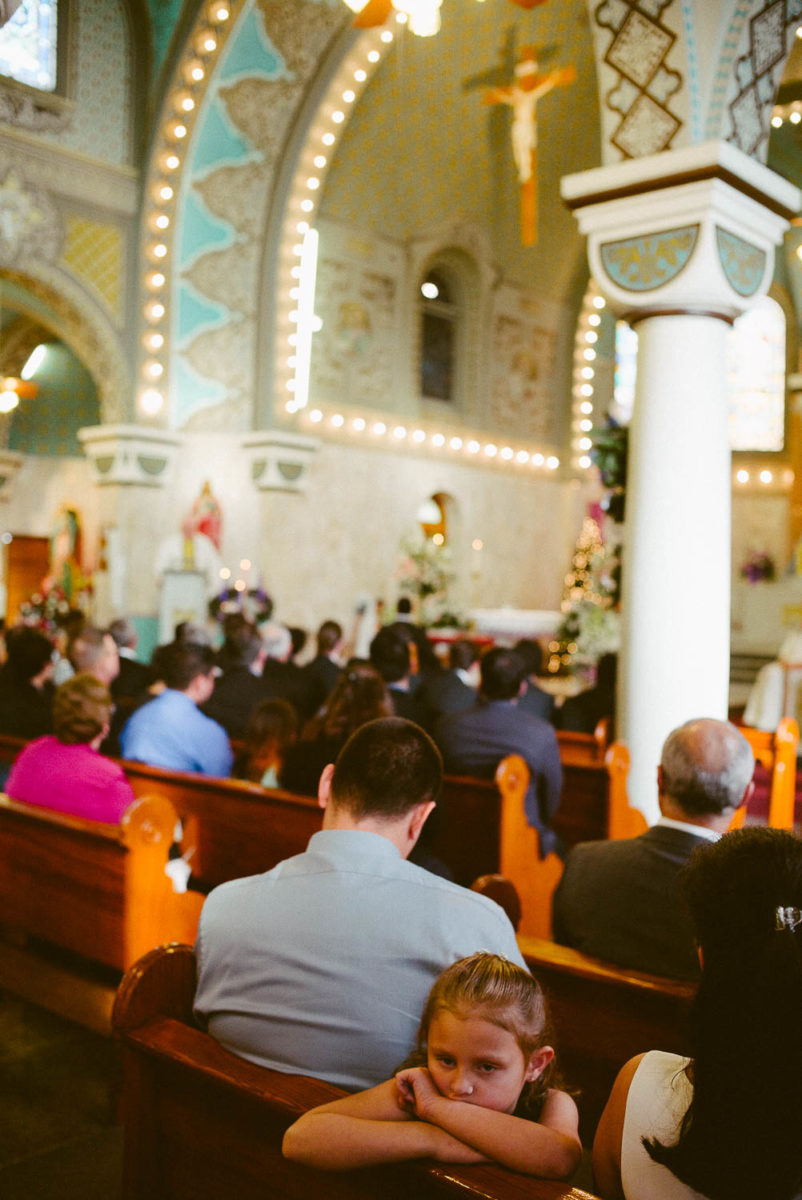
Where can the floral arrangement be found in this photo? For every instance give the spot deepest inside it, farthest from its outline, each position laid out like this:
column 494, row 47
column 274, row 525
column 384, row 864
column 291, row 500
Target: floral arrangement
column 43, row 609
column 254, row 604
column 758, row 566
column 591, row 630
column 426, row 574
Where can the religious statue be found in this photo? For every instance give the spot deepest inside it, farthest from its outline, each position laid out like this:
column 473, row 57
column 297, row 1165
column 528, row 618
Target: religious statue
column 522, row 96
column 197, row 547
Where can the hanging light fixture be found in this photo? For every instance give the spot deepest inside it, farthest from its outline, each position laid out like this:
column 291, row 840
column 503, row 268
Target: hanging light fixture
column 423, row 16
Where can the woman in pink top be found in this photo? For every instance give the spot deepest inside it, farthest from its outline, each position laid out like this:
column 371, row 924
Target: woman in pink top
column 66, row 772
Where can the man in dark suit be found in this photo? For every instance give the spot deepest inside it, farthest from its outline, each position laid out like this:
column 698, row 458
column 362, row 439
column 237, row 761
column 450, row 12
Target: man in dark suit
column 452, row 690
column 389, row 653
column 322, row 673
column 475, row 741
column 134, row 676
column 621, row 900
column 533, row 699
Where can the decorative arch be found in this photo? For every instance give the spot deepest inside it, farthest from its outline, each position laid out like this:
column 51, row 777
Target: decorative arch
column 62, row 307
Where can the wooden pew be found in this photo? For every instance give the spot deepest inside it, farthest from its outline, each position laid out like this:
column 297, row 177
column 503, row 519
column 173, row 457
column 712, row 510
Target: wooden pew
column 236, row 828
column 582, row 748
column 776, row 752
column 603, row 1015
column 201, row 1123
column 81, row 901
column 536, row 878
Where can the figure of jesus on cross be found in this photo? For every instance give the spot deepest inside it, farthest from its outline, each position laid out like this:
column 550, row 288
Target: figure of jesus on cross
column 522, row 96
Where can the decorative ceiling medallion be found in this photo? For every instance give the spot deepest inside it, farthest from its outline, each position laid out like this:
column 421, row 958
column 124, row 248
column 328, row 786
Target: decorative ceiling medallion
column 641, row 264
column 743, row 264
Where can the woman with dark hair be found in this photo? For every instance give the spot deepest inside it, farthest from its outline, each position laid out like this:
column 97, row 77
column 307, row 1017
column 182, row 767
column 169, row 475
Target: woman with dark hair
column 271, row 730
column 724, row 1124
column 360, row 696
column 66, row 772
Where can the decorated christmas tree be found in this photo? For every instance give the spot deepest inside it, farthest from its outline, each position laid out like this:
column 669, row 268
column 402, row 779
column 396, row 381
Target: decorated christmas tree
column 590, row 625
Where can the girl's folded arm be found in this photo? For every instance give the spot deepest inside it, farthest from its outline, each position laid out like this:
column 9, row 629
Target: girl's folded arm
column 366, row 1129
column 549, row 1147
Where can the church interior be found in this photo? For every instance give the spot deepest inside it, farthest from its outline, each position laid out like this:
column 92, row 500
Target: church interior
column 265, row 250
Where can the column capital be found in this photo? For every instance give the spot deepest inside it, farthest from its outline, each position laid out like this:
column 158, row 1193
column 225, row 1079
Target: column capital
column 687, row 231
column 129, row 454
column 279, row 460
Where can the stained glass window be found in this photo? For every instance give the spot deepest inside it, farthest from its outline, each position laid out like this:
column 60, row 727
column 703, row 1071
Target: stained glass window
column 28, row 45
column 756, row 378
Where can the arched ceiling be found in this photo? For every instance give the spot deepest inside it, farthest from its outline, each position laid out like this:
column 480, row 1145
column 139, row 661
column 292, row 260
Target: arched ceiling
column 423, row 148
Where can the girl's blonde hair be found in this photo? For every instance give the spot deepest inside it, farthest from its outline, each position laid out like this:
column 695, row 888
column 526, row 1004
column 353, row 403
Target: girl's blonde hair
column 509, row 997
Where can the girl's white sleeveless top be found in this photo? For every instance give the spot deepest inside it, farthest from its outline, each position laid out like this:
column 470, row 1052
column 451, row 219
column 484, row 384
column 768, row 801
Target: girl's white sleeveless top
column 657, row 1101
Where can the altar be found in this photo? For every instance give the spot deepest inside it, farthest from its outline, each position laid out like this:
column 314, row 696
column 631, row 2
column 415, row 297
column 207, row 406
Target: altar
column 763, row 613
column 508, row 625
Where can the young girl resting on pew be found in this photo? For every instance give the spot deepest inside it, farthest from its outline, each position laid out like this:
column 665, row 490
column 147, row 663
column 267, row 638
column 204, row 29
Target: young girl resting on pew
column 476, row 1090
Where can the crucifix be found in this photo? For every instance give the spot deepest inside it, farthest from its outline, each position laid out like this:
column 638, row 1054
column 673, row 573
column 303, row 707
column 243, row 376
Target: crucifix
column 522, row 96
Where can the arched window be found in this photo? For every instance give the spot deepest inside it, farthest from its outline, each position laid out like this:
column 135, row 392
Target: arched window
column 29, row 44
column 756, row 378
column 439, row 315
column 756, row 358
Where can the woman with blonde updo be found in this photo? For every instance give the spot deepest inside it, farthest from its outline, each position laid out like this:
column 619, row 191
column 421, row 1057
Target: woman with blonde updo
column 66, row 773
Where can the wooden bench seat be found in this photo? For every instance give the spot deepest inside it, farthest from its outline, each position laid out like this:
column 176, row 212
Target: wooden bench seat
column 96, row 894
column 201, row 1123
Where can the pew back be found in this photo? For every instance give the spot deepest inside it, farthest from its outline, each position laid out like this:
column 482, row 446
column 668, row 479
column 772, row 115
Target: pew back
column 602, row 1016
column 96, row 891
column 201, row 1123
column 237, row 828
column 776, row 751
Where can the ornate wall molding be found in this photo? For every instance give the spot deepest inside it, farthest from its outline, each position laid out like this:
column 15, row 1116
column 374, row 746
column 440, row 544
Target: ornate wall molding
column 69, row 175
column 757, row 74
column 743, row 263
column 641, row 264
column 280, row 461
column 642, row 100
column 129, row 454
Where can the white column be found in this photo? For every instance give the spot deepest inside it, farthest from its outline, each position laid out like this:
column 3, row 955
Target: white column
column 676, row 571
column 680, row 243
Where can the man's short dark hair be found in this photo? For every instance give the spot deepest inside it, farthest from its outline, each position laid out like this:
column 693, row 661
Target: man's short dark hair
column 503, row 672
column 385, row 769
column 183, row 663
column 242, row 645
column 87, row 648
column 123, row 630
column 404, row 606
column 531, row 653
column 28, row 650
column 389, row 654
column 329, row 634
column 462, row 655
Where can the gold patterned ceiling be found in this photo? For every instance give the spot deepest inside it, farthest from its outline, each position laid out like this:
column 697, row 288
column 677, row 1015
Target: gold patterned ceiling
column 423, row 149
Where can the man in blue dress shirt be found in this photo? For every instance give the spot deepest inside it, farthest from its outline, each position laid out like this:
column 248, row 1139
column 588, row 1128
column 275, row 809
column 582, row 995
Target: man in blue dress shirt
column 170, row 730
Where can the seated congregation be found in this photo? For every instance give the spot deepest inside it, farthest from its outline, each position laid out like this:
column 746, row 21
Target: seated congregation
column 349, row 963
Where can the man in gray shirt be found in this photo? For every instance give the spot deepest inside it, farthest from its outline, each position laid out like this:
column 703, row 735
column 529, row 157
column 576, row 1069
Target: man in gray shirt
column 321, row 966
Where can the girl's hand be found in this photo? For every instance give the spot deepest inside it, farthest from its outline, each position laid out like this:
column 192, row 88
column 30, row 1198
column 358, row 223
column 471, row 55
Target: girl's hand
column 416, row 1091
